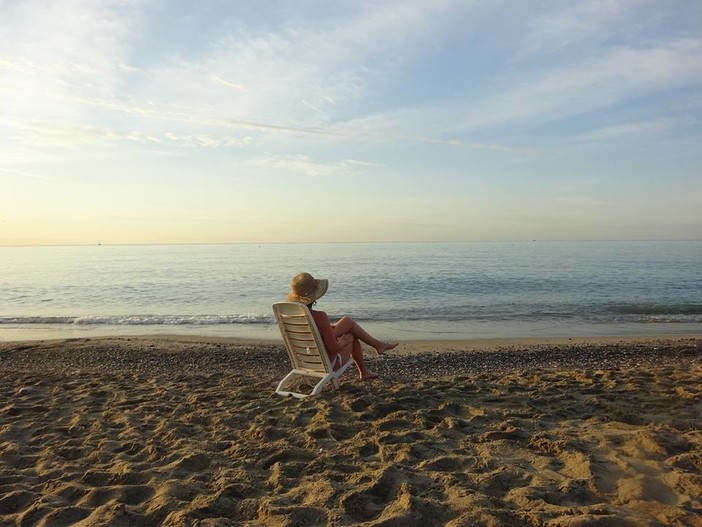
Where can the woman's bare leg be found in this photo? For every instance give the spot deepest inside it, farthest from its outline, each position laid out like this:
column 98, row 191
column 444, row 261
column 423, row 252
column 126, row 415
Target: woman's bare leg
column 352, row 351
column 349, row 325
column 357, row 354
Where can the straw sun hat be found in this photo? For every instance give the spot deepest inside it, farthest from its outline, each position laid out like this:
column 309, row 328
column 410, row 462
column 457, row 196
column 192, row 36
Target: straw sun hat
column 305, row 288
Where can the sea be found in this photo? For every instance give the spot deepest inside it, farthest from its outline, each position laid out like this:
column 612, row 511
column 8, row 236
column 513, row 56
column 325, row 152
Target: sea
column 401, row 291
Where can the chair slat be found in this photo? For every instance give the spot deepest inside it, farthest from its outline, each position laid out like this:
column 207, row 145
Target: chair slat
column 316, row 366
column 296, row 322
column 309, row 358
column 307, row 349
column 299, row 330
column 303, row 343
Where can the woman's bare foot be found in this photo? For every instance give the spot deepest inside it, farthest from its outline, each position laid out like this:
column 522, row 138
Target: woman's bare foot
column 387, row 346
column 368, row 375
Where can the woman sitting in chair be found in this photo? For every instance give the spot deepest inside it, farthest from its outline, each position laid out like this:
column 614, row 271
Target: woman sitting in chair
column 342, row 339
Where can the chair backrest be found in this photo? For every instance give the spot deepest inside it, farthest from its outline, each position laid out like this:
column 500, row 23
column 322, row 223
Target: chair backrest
column 302, row 339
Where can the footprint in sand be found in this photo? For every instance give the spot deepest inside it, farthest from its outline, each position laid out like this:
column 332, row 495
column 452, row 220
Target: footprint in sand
column 367, row 504
column 15, row 501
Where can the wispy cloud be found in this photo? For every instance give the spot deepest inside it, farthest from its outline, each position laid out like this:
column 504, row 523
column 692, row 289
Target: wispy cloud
column 566, row 24
column 636, row 129
column 227, row 83
column 48, row 135
column 209, row 141
column 578, row 204
column 477, row 145
column 556, row 92
column 620, row 74
column 332, row 64
column 53, row 51
column 39, row 134
column 32, row 175
column 179, row 114
column 306, row 166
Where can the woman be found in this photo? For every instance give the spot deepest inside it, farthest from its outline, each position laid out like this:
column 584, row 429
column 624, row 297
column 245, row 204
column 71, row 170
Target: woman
column 343, row 339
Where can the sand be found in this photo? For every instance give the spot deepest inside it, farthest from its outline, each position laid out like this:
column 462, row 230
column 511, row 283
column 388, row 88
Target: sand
column 176, row 431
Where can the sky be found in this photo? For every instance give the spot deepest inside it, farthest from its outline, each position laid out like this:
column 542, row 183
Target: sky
column 171, row 121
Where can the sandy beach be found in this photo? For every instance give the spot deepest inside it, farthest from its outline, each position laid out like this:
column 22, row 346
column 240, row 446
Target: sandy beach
column 189, row 432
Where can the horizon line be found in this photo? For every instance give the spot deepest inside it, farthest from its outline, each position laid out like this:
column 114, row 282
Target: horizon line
column 534, row 240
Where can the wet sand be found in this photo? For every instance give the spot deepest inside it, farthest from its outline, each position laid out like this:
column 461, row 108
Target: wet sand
column 187, row 431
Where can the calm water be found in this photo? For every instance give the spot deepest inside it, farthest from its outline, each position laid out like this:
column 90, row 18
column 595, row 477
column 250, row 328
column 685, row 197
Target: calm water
column 404, row 291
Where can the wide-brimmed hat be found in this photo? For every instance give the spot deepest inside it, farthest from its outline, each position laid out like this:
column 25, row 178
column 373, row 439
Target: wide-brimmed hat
column 305, row 288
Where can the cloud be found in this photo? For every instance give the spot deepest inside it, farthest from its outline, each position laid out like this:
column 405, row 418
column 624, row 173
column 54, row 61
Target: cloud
column 620, row 74
column 635, row 129
column 565, row 24
column 477, row 145
column 53, row 136
column 329, row 63
column 177, row 114
column 51, row 53
column 552, row 93
column 576, row 204
column 62, row 68
column 32, row 175
column 208, row 141
column 306, row 166
column 230, row 84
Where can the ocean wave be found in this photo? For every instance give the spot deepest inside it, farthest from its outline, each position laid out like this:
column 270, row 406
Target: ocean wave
column 627, row 313
column 142, row 320
column 664, row 318
column 655, row 309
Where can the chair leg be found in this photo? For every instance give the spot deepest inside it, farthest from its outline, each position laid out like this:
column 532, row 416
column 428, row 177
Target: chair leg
column 321, row 384
column 284, row 383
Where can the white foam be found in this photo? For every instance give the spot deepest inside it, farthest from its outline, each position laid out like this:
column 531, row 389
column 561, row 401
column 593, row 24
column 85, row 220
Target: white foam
column 143, row 320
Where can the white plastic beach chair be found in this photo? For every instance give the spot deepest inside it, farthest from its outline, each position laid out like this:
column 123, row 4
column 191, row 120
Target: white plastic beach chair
column 306, row 350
